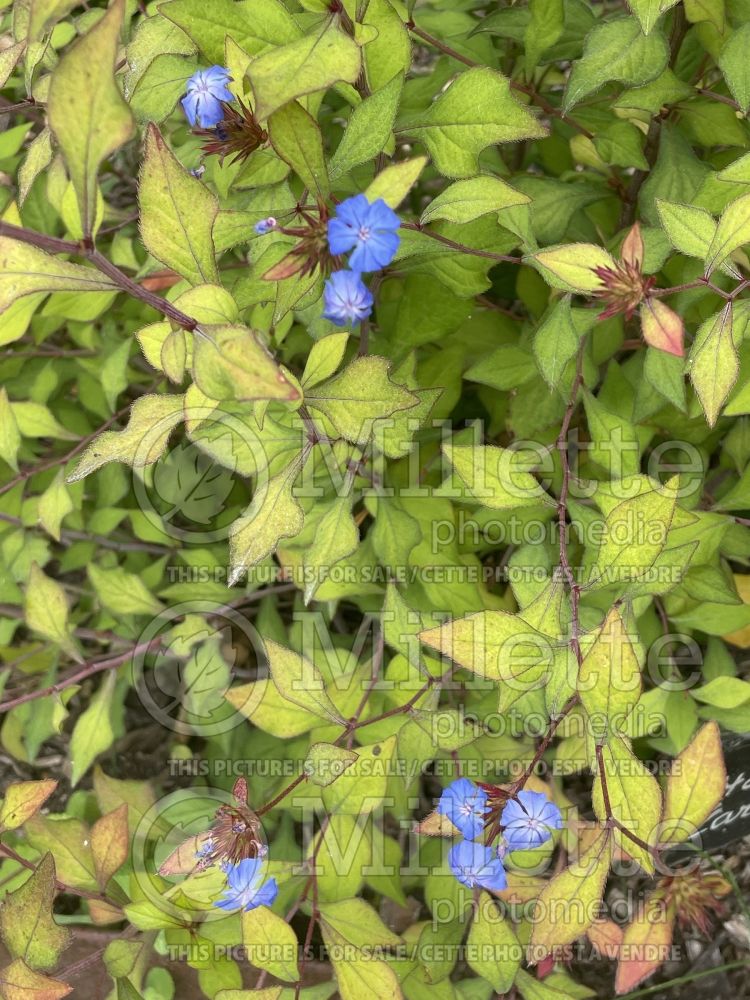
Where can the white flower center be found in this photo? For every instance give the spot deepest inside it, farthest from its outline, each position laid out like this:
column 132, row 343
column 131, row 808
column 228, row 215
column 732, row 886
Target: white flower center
column 364, row 233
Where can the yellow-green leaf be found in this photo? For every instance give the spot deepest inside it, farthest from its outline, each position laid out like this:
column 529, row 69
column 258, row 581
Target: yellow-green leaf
column 695, row 785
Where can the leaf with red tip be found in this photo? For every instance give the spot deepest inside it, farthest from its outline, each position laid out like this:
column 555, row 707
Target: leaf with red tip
column 632, row 247
column 22, row 800
column 662, row 327
column 646, row 944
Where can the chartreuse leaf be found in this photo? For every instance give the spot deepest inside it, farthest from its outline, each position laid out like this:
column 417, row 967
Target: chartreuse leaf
column 496, row 476
column 298, row 680
column 336, row 537
column 733, row 64
column 324, row 358
column 10, row 436
column 369, row 128
column 46, row 611
column 635, row 533
column 492, row 949
column 394, row 183
column 362, row 787
column 648, row 12
column 38, row 157
column 273, row 514
column 690, row 230
column 616, row 50
column 495, row 645
column 177, row 213
column 355, row 921
column 19, row 982
column 572, row 267
column 123, row 593
column 466, row 200
column 86, row 110
column 634, row 798
column 476, row 111
column 68, row 840
column 304, row 66
column 120, row 957
column 25, row 270
column 8, row 59
column 270, row 943
column 357, row 974
column 732, row 232
column 22, row 800
column 571, row 901
column 695, row 785
column 297, row 138
column 362, row 393
column 152, row 420
column 713, row 362
column 325, row 763
column 27, row 925
column 230, row 362
column 544, row 28
column 609, row 679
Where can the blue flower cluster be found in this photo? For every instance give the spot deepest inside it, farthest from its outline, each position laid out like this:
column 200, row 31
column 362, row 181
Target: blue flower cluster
column 526, row 820
column 369, row 232
column 206, row 89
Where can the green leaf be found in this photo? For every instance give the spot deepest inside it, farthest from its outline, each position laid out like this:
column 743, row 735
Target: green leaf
column 495, row 476
column 177, row 213
column 733, row 64
column 270, row 943
column 123, row 593
column 690, row 230
column 298, row 680
column 369, row 128
column 732, row 232
column 255, row 25
column 8, row 59
column 273, row 514
column 609, row 679
column 466, row 200
column 296, row 137
column 19, row 982
column 648, row 12
column 35, row 420
column 152, row 420
column 27, row 925
column 93, row 732
column 54, row 505
column 476, row 111
column 86, row 110
column 110, row 846
column 324, row 358
column 493, row 950
column 309, row 64
column 713, row 363
column 361, row 394
column 362, row 787
column 336, row 537
column 38, row 157
column 723, row 692
column 25, row 270
column 544, row 28
column 556, row 341
column 229, row 362
column 616, row 50
column 46, row 611
column 325, row 763
column 572, row 267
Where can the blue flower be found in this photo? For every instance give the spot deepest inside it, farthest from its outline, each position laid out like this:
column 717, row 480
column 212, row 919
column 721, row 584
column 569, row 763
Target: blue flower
column 206, row 89
column 346, row 298
column 368, row 230
column 246, row 888
column 464, row 803
column 529, row 820
column 265, row 226
column 475, row 864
